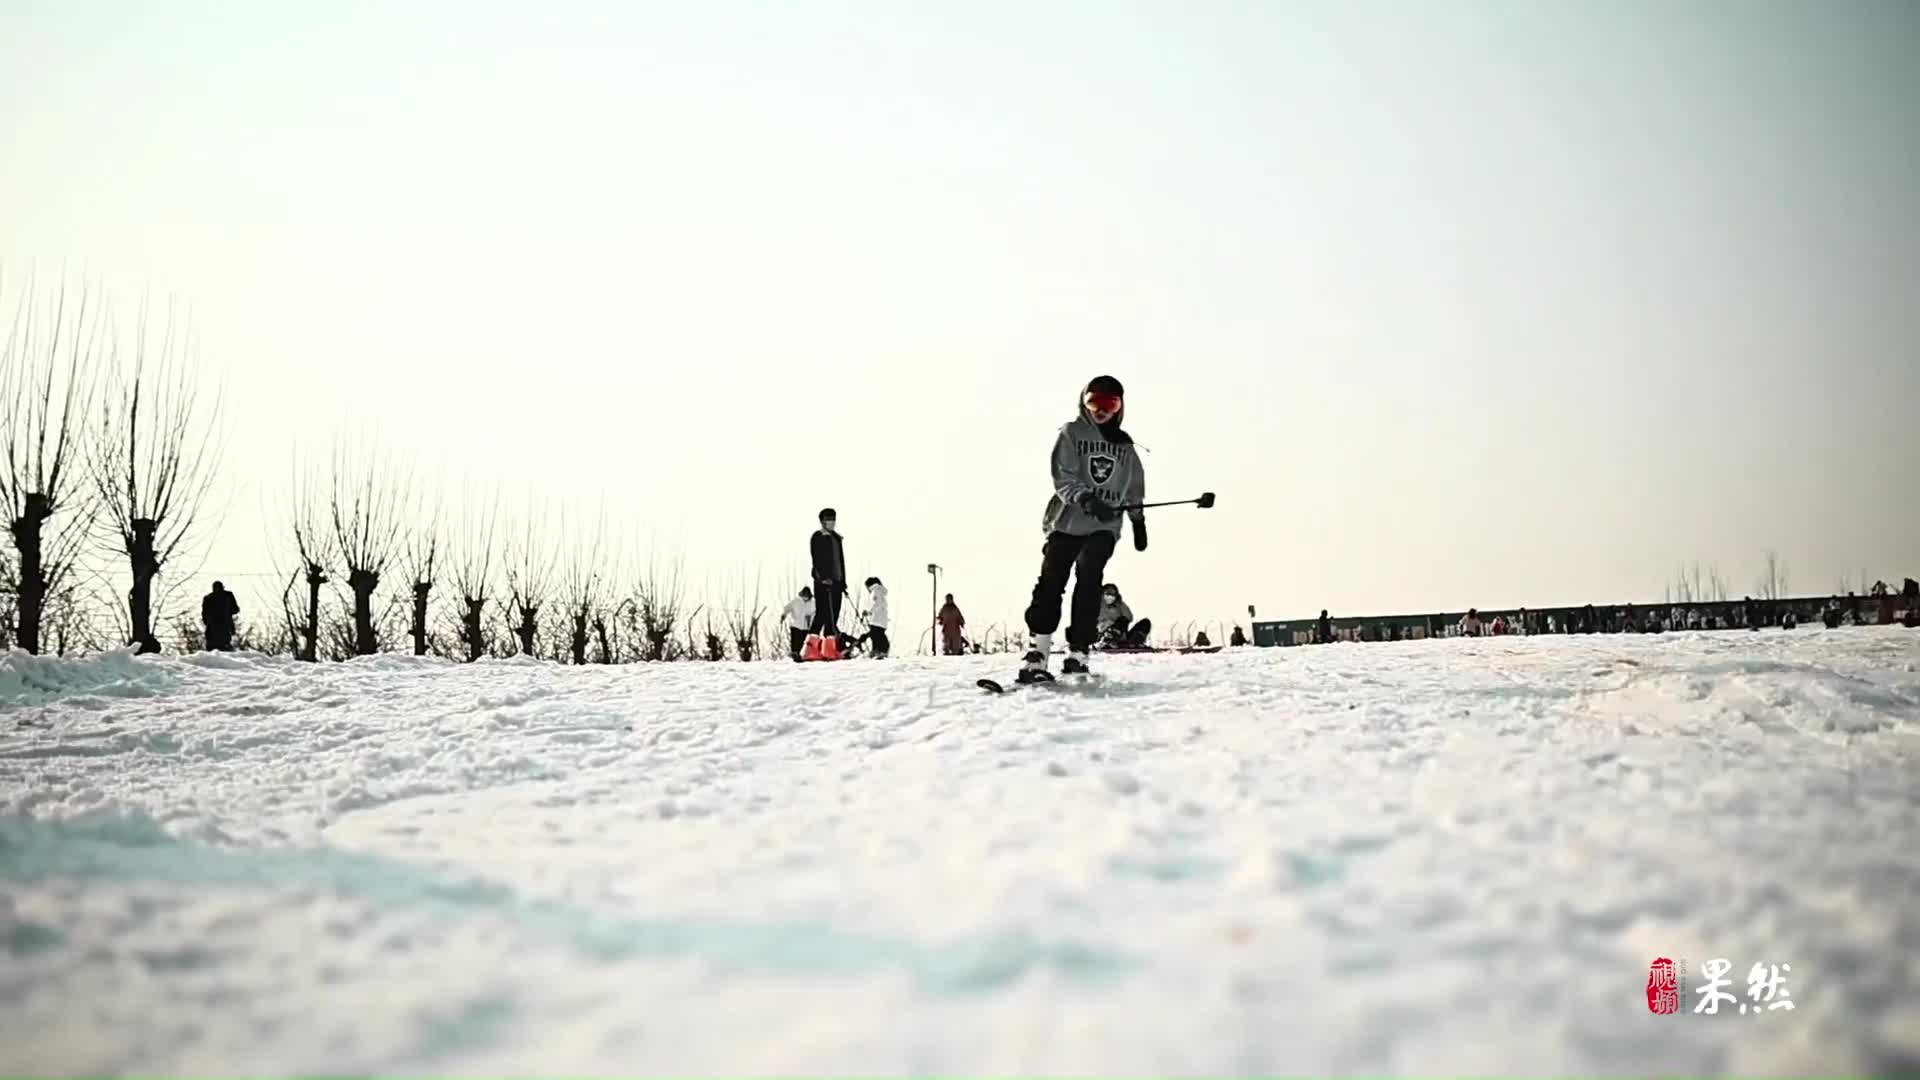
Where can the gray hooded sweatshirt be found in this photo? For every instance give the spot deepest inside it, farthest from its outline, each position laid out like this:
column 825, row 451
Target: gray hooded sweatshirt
column 1085, row 458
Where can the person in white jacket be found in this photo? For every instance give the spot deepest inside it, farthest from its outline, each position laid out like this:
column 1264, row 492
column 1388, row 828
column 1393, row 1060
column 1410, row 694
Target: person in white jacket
column 877, row 619
column 799, row 620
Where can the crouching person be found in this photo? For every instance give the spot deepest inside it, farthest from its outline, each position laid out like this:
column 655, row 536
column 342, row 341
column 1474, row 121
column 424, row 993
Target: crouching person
column 799, row 621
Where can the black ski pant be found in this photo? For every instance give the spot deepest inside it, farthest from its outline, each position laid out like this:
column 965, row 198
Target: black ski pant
column 877, row 638
column 826, row 608
column 1085, row 558
column 796, row 641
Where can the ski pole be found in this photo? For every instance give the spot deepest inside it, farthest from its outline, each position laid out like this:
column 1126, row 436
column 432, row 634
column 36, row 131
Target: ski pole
column 1204, row 502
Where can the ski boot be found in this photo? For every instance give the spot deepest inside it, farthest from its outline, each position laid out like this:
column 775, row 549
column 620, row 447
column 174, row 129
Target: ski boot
column 1076, row 663
column 1033, row 667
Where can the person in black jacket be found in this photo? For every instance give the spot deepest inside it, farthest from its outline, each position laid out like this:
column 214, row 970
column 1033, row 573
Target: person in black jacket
column 218, row 610
column 829, row 574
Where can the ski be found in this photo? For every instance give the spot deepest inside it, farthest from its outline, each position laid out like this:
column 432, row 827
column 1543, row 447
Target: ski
column 1058, row 682
column 1184, row 650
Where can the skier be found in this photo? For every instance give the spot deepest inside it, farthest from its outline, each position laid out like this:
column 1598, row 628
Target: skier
column 217, row 612
column 877, row 619
column 799, row 620
column 951, row 623
column 1095, row 472
column 829, row 574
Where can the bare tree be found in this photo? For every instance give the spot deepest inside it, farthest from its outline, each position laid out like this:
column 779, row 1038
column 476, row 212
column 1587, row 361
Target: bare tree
column 1693, row 585
column 743, row 619
column 68, row 626
column 315, row 542
column 9, row 601
column 693, row 648
column 1680, row 589
column 369, row 506
column 191, row 634
column 583, row 585
column 1772, row 583
column 48, row 370
column 605, row 622
column 472, row 572
column 773, row 640
column 617, row 631
column 529, row 578
column 421, row 562
column 657, row 600
column 154, row 460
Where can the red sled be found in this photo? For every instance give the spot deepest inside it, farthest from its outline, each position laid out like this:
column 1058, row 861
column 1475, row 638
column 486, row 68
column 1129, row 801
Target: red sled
column 821, row 647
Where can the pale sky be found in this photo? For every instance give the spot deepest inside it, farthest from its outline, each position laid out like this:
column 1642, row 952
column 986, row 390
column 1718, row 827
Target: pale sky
column 1491, row 303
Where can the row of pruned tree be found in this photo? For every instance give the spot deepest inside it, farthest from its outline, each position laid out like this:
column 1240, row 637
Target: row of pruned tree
column 529, row 584
column 109, row 455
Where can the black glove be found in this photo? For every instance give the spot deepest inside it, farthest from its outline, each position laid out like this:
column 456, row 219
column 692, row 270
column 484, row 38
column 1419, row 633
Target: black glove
column 1139, row 534
column 1101, row 509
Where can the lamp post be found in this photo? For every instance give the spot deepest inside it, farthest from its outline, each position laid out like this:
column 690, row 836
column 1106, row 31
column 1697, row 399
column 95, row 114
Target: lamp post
column 933, row 642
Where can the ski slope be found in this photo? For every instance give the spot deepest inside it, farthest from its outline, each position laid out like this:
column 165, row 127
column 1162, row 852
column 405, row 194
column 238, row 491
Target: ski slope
column 1436, row 857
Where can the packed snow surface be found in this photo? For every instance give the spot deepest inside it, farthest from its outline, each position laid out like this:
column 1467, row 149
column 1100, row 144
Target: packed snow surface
column 1435, row 857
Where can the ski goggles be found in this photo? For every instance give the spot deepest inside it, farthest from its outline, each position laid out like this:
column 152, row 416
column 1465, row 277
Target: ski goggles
column 1106, row 403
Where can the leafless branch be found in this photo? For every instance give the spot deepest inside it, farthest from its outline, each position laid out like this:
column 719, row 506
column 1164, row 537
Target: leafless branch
column 583, row 584
column 743, row 618
column 368, row 507
column 49, row 368
column 421, row 561
column 156, row 450
column 657, row 600
column 530, row 565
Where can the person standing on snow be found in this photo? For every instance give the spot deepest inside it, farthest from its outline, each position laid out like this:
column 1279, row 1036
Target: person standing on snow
column 951, row 623
column 877, row 619
column 218, row 610
column 829, row 574
column 799, row 620
column 1095, row 472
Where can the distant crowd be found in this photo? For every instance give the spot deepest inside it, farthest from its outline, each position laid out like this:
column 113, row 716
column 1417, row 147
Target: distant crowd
column 1882, row 606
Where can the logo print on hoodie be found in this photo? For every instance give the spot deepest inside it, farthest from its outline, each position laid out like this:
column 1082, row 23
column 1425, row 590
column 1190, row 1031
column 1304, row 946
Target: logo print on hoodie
column 1100, row 468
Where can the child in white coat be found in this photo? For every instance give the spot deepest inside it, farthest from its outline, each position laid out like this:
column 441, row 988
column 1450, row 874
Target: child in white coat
column 877, row 619
column 799, row 621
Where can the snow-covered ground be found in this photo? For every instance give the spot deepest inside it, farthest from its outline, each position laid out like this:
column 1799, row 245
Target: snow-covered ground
column 1429, row 857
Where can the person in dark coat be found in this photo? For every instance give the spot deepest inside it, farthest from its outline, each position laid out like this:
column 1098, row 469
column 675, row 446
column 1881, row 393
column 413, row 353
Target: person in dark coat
column 218, row 610
column 952, row 622
column 829, row 573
